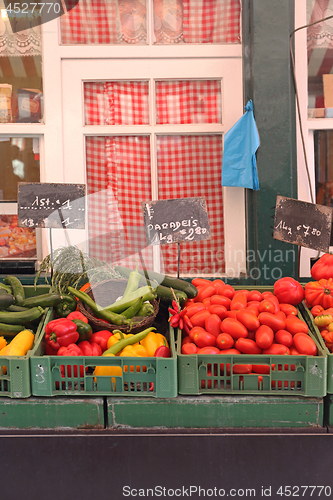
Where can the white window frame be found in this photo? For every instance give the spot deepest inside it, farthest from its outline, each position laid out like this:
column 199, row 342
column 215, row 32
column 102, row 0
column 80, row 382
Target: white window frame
column 63, row 115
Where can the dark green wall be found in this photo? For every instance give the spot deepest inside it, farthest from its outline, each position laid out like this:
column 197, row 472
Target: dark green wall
column 269, row 83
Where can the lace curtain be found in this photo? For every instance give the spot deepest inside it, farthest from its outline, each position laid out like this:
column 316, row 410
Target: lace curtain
column 320, row 34
column 27, row 42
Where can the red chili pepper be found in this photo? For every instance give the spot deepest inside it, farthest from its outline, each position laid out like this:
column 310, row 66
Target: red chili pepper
column 60, row 333
column 101, row 338
column 90, row 348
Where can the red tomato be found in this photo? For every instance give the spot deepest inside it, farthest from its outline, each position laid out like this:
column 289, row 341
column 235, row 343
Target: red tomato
column 294, row 352
column 267, row 306
column 188, row 303
column 238, row 301
column 317, row 310
column 186, row 340
column 224, row 341
column 204, row 339
column 248, row 319
column 220, row 300
column 288, row 309
column 247, row 346
column 230, row 351
column 263, row 369
column 270, row 296
column 304, row 344
column 217, row 309
column 199, row 318
column 232, row 314
column 252, row 308
column 264, row 337
column 194, row 330
column 234, row 327
column 213, row 324
column 219, row 286
column 198, row 282
column 277, row 349
column 296, row 325
column 206, row 302
column 254, row 295
column 281, row 314
column 229, row 291
column 208, row 350
column 204, row 292
column 189, row 348
column 288, row 291
column 272, row 320
column 193, row 309
column 283, row 337
column 242, row 369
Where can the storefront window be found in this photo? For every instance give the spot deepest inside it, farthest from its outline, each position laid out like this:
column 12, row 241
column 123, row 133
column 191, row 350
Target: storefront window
column 21, row 82
column 320, row 59
column 19, row 162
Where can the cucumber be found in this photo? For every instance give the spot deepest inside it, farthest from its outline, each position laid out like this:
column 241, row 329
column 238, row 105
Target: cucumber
column 45, row 300
column 10, row 330
column 15, row 308
column 166, row 295
column 21, row 318
column 164, row 281
column 6, row 300
column 17, row 288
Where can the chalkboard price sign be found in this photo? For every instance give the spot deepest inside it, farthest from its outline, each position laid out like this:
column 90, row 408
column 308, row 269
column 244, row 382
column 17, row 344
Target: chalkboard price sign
column 176, row 220
column 304, row 224
column 51, row 205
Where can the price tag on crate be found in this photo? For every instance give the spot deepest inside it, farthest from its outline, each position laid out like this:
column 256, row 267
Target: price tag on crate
column 176, row 220
column 304, row 224
column 51, row 205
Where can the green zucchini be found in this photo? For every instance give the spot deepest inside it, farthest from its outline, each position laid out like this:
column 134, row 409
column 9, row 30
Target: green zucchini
column 10, row 330
column 6, row 300
column 21, row 318
column 5, row 288
column 165, row 283
column 17, row 288
column 15, row 308
column 44, row 300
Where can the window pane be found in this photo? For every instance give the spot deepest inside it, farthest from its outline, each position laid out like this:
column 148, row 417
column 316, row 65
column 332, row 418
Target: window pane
column 190, row 166
column 21, row 83
column 104, row 22
column 195, row 21
column 320, row 59
column 188, row 101
column 118, row 180
column 19, row 162
column 116, row 103
column 323, row 143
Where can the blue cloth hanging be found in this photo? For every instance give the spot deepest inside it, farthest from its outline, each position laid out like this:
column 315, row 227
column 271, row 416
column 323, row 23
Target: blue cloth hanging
column 239, row 165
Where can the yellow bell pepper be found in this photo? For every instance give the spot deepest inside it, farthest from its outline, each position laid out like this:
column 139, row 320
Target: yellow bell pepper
column 108, row 371
column 117, row 335
column 3, row 342
column 137, row 350
column 153, row 341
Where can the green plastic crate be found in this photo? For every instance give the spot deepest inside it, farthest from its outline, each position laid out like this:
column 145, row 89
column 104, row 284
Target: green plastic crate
column 74, row 375
column 15, row 378
column 306, row 313
column 213, row 374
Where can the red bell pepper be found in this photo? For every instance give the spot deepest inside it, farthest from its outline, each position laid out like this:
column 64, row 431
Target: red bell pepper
column 60, row 333
column 70, row 350
column 77, row 315
column 163, row 352
column 90, row 348
column 101, row 338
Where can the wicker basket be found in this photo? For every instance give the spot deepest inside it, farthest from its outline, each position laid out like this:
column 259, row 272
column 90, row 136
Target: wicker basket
column 104, row 294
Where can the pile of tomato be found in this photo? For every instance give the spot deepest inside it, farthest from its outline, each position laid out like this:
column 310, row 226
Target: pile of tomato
column 222, row 320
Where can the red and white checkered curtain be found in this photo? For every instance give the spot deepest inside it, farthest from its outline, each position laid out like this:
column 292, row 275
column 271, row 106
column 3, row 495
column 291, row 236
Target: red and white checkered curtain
column 175, row 21
column 119, row 180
